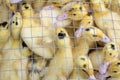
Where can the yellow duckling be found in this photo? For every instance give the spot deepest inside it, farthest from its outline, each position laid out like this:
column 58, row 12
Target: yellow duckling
column 114, row 70
column 88, row 38
column 74, row 11
column 106, row 22
column 37, row 37
column 61, row 65
column 104, row 57
column 13, row 54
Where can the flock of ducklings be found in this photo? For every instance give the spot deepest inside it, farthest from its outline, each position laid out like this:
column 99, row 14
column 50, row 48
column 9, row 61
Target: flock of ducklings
column 59, row 40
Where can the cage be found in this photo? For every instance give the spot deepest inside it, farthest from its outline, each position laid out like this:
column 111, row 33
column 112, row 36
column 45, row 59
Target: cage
column 59, row 40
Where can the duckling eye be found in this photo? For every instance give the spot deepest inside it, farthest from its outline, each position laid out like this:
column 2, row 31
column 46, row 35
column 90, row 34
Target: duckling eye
column 74, row 14
column 13, row 22
column 87, row 29
column 82, row 59
column 89, row 22
column 115, row 71
column 81, row 8
column 113, row 46
column 110, row 54
column 94, row 35
column 118, row 63
column 84, row 65
column 23, row 3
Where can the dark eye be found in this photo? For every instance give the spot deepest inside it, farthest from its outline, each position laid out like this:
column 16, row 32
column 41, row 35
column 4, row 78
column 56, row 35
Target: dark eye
column 115, row 71
column 110, row 54
column 81, row 8
column 89, row 22
column 74, row 14
column 23, row 3
column 84, row 65
column 94, row 35
column 13, row 22
column 82, row 59
column 118, row 63
column 113, row 46
column 87, row 29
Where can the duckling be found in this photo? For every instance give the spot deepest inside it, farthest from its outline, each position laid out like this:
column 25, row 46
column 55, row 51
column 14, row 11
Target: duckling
column 13, row 55
column 107, row 23
column 76, row 12
column 48, row 17
column 61, row 65
column 114, row 70
column 88, row 37
column 104, row 57
column 82, row 52
column 84, row 65
column 37, row 37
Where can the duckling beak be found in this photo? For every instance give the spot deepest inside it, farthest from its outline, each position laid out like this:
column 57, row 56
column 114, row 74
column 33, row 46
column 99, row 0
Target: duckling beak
column 103, row 67
column 105, row 39
column 48, row 7
column 78, row 33
column 15, row 1
column 62, row 16
column 102, row 76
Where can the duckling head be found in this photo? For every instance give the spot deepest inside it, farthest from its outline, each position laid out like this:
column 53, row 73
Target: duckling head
column 110, row 51
column 83, row 62
column 92, row 33
column 16, row 25
column 76, row 12
column 87, row 21
column 27, row 10
column 62, row 37
column 114, row 69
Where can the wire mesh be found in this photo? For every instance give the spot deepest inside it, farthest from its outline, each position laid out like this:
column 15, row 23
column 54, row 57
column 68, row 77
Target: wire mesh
column 14, row 63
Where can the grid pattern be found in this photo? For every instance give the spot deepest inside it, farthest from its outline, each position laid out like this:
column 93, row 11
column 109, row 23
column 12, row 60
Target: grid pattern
column 16, row 64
